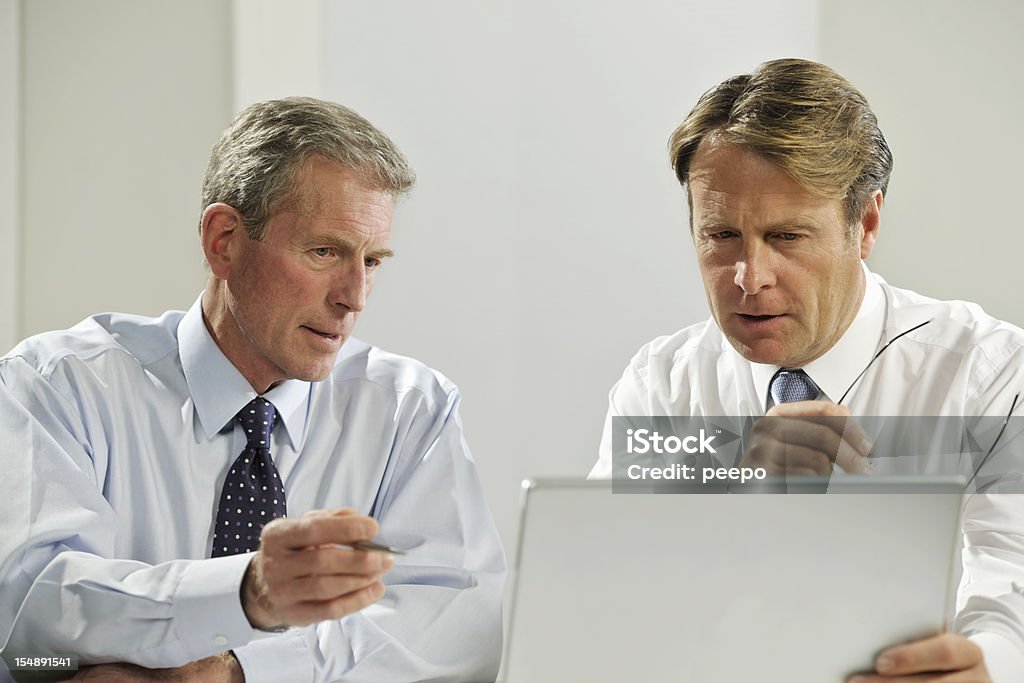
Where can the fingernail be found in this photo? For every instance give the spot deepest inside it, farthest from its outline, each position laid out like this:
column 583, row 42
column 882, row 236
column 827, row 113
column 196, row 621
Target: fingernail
column 885, row 663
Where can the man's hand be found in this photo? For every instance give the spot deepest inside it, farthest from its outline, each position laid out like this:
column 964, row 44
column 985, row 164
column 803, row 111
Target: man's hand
column 299, row 576
column 945, row 658
column 222, row 668
column 807, row 437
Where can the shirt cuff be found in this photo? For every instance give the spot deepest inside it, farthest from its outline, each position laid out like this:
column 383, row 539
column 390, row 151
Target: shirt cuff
column 1004, row 661
column 208, row 614
column 276, row 658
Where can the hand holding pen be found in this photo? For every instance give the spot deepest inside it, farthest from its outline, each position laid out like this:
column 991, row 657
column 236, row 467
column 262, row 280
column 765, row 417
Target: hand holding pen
column 320, row 566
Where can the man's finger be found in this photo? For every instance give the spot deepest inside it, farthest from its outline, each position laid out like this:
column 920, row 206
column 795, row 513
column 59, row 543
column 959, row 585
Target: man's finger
column 850, row 430
column 302, row 614
column 339, row 512
column 323, row 588
column 794, row 459
column 855, row 434
column 854, row 448
column 826, row 433
column 966, row 676
column 851, row 461
column 945, row 652
column 778, row 456
column 325, row 560
column 822, row 434
column 793, row 437
column 311, row 530
column 809, row 409
column 909, row 678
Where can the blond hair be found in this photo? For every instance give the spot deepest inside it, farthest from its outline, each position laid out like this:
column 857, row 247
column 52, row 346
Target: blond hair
column 802, row 116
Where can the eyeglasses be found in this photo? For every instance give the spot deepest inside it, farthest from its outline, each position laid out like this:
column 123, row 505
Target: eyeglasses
column 992, row 448
column 1002, row 429
column 880, row 352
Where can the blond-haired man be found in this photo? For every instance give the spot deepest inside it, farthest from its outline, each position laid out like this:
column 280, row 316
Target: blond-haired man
column 786, row 172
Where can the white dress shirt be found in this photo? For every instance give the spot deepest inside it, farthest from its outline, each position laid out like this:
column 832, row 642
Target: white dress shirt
column 961, row 363
column 115, row 438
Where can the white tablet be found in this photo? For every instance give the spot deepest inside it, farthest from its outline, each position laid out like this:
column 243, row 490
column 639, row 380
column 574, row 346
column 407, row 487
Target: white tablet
column 720, row 588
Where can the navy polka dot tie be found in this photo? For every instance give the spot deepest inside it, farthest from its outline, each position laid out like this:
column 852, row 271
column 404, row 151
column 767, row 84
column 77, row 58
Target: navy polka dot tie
column 789, row 386
column 253, row 493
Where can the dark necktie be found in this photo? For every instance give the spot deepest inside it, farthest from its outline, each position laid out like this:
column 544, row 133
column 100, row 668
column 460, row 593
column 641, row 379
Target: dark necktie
column 790, row 385
column 253, row 493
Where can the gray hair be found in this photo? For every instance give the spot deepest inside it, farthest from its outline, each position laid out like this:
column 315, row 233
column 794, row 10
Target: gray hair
column 253, row 165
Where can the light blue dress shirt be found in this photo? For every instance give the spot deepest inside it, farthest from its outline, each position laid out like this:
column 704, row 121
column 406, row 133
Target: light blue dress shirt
column 115, row 438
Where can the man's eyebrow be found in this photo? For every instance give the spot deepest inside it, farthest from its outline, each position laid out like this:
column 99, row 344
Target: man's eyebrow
column 782, row 226
column 345, row 243
column 714, row 224
column 794, row 225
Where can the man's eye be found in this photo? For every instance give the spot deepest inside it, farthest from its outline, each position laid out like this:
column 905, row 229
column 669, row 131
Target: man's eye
column 723, row 235
column 787, row 236
column 371, row 262
column 322, row 252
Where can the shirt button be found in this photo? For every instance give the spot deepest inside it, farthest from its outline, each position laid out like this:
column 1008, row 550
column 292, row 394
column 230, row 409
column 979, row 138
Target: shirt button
column 220, row 640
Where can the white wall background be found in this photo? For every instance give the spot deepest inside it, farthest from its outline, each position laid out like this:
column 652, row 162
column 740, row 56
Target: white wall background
column 944, row 78
column 546, row 240
column 10, row 168
column 121, row 102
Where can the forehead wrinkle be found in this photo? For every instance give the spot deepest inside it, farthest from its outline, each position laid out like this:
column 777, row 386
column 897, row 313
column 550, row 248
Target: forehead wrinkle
column 750, row 195
column 714, row 210
column 329, row 207
column 715, row 222
column 733, row 186
column 310, row 198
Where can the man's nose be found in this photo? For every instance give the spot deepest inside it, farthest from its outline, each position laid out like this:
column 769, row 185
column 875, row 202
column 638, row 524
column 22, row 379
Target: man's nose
column 350, row 286
column 754, row 271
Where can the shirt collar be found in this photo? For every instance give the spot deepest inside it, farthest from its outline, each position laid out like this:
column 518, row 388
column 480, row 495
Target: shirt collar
column 836, row 369
column 219, row 390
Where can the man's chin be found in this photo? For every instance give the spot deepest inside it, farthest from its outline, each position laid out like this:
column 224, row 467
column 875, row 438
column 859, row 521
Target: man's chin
column 764, row 352
column 314, row 371
column 317, row 374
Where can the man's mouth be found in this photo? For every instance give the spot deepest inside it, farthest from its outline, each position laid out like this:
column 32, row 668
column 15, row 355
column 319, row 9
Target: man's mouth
column 321, row 333
column 760, row 323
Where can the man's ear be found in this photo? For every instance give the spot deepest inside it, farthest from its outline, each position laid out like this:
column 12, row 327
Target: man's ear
column 870, row 223
column 220, row 228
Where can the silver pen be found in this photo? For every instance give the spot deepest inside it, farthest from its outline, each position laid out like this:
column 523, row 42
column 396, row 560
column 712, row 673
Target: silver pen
column 370, row 546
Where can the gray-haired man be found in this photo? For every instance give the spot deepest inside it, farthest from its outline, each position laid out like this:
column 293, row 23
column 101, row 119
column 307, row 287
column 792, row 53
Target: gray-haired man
column 144, row 459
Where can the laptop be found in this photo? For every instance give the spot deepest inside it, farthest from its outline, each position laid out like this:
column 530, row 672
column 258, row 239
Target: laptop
column 800, row 587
